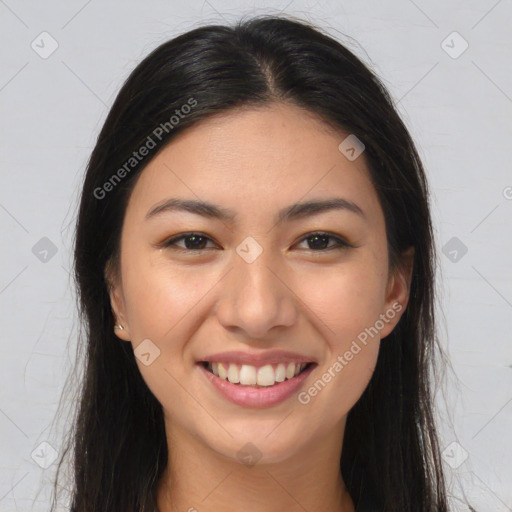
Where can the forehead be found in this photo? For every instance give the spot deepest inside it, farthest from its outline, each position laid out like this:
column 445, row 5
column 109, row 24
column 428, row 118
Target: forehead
column 253, row 161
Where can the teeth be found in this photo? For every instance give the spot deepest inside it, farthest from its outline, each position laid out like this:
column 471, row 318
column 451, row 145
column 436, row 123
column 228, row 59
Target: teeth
column 266, row 376
column 290, row 371
column 280, row 373
column 247, row 375
column 222, row 371
column 233, row 374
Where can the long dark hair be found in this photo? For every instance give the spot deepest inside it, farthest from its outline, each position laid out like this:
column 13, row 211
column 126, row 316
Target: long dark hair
column 117, row 441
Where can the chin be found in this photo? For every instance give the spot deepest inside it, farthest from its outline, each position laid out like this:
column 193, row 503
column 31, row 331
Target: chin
column 259, row 449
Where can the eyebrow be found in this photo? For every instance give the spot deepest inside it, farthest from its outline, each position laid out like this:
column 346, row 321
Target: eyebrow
column 289, row 213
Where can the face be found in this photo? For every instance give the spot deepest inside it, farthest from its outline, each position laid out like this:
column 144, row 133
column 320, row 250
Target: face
column 192, row 285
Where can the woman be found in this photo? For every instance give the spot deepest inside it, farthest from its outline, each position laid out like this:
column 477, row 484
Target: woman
column 255, row 263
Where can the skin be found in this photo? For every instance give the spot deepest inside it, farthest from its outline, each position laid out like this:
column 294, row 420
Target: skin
column 294, row 297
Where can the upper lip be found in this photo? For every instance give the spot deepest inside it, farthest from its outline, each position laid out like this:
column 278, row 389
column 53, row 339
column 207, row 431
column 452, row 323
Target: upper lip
column 257, row 359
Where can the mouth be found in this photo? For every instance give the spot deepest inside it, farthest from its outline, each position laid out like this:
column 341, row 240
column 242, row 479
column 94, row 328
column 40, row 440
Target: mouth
column 256, row 387
column 250, row 376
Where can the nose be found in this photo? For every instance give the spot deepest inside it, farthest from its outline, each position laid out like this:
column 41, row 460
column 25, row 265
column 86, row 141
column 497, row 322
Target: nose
column 256, row 298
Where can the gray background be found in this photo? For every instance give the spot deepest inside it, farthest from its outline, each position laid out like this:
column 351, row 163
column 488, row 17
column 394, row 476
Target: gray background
column 457, row 104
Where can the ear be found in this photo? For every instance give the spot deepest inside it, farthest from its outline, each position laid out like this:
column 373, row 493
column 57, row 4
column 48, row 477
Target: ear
column 115, row 290
column 397, row 292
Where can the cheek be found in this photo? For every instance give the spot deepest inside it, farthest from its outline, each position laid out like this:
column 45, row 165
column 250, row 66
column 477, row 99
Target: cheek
column 347, row 299
column 344, row 304
column 163, row 305
column 159, row 296
column 352, row 345
column 339, row 382
column 348, row 376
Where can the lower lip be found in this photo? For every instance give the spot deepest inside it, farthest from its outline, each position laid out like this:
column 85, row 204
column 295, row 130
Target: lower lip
column 257, row 397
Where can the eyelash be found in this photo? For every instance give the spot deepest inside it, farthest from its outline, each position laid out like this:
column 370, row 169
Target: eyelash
column 340, row 243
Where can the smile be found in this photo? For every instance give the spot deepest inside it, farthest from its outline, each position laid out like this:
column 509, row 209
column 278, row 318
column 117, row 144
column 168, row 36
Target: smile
column 249, row 393
column 249, row 375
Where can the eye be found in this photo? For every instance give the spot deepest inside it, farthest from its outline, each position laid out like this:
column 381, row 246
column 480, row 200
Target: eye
column 195, row 242
column 320, row 241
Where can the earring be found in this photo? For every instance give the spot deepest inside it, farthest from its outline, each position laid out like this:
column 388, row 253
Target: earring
column 119, row 326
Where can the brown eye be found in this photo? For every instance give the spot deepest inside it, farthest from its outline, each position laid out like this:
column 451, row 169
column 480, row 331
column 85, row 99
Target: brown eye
column 194, row 242
column 319, row 241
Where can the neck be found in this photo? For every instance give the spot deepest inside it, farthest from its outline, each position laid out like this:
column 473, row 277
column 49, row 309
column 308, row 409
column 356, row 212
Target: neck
column 199, row 479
